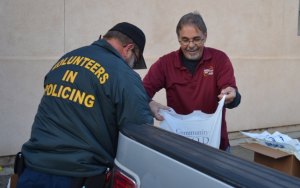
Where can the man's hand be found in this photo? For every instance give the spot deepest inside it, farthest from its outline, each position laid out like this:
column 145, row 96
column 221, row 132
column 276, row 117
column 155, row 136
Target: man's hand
column 155, row 107
column 230, row 93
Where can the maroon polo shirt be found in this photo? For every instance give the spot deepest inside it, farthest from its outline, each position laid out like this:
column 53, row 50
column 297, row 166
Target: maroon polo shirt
column 187, row 92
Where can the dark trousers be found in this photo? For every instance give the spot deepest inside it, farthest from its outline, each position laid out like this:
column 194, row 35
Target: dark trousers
column 34, row 179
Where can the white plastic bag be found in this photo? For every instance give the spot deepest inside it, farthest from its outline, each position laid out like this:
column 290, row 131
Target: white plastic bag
column 199, row 126
column 277, row 140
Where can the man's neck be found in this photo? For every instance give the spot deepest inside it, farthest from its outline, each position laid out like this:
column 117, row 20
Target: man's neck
column 116, row 44
column 190, row 64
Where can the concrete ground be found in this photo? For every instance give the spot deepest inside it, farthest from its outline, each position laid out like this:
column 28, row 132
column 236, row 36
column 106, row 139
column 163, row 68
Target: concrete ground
column 6, row 169
column 242, row 153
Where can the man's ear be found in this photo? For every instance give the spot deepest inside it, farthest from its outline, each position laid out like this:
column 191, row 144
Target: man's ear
column 127, row 48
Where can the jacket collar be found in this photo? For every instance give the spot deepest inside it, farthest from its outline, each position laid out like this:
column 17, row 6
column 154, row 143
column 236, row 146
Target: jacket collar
column 104, row 44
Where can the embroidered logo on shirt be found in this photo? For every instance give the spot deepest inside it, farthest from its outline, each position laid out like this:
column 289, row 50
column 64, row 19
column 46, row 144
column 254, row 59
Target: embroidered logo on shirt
column 209, row 71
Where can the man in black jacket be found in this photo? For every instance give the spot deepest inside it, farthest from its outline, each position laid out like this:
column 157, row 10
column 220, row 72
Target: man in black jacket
column 88, row 95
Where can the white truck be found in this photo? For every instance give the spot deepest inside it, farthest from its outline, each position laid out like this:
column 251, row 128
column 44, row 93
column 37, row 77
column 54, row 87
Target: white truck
column 149, row 157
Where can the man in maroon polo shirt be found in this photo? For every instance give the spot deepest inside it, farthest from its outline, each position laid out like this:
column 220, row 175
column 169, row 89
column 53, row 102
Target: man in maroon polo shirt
column 195, row 77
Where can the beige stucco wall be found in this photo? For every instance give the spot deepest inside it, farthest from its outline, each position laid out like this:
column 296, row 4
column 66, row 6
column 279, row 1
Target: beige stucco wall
column 260, row 37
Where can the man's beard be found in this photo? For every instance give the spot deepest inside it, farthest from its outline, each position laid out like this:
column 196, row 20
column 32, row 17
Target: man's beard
column 131, row 61
column 192, row 54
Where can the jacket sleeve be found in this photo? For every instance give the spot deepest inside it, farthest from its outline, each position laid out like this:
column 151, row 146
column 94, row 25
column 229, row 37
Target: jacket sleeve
column 131, row 100
column 235, row 102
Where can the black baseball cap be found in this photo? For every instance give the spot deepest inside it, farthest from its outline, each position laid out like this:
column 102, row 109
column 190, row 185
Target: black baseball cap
column 137, row 36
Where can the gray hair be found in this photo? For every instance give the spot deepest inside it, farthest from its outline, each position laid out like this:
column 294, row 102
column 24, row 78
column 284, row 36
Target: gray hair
column 118, row 35
column 192, row 18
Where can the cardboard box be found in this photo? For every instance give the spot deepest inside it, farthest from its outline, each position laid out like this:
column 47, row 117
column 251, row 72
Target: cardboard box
column 275, row 158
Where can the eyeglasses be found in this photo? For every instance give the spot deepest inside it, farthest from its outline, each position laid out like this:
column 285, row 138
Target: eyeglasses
column 195, row 40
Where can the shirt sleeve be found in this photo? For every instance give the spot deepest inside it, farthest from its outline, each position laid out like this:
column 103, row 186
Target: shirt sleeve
column 154, row 79
column 225, row 77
